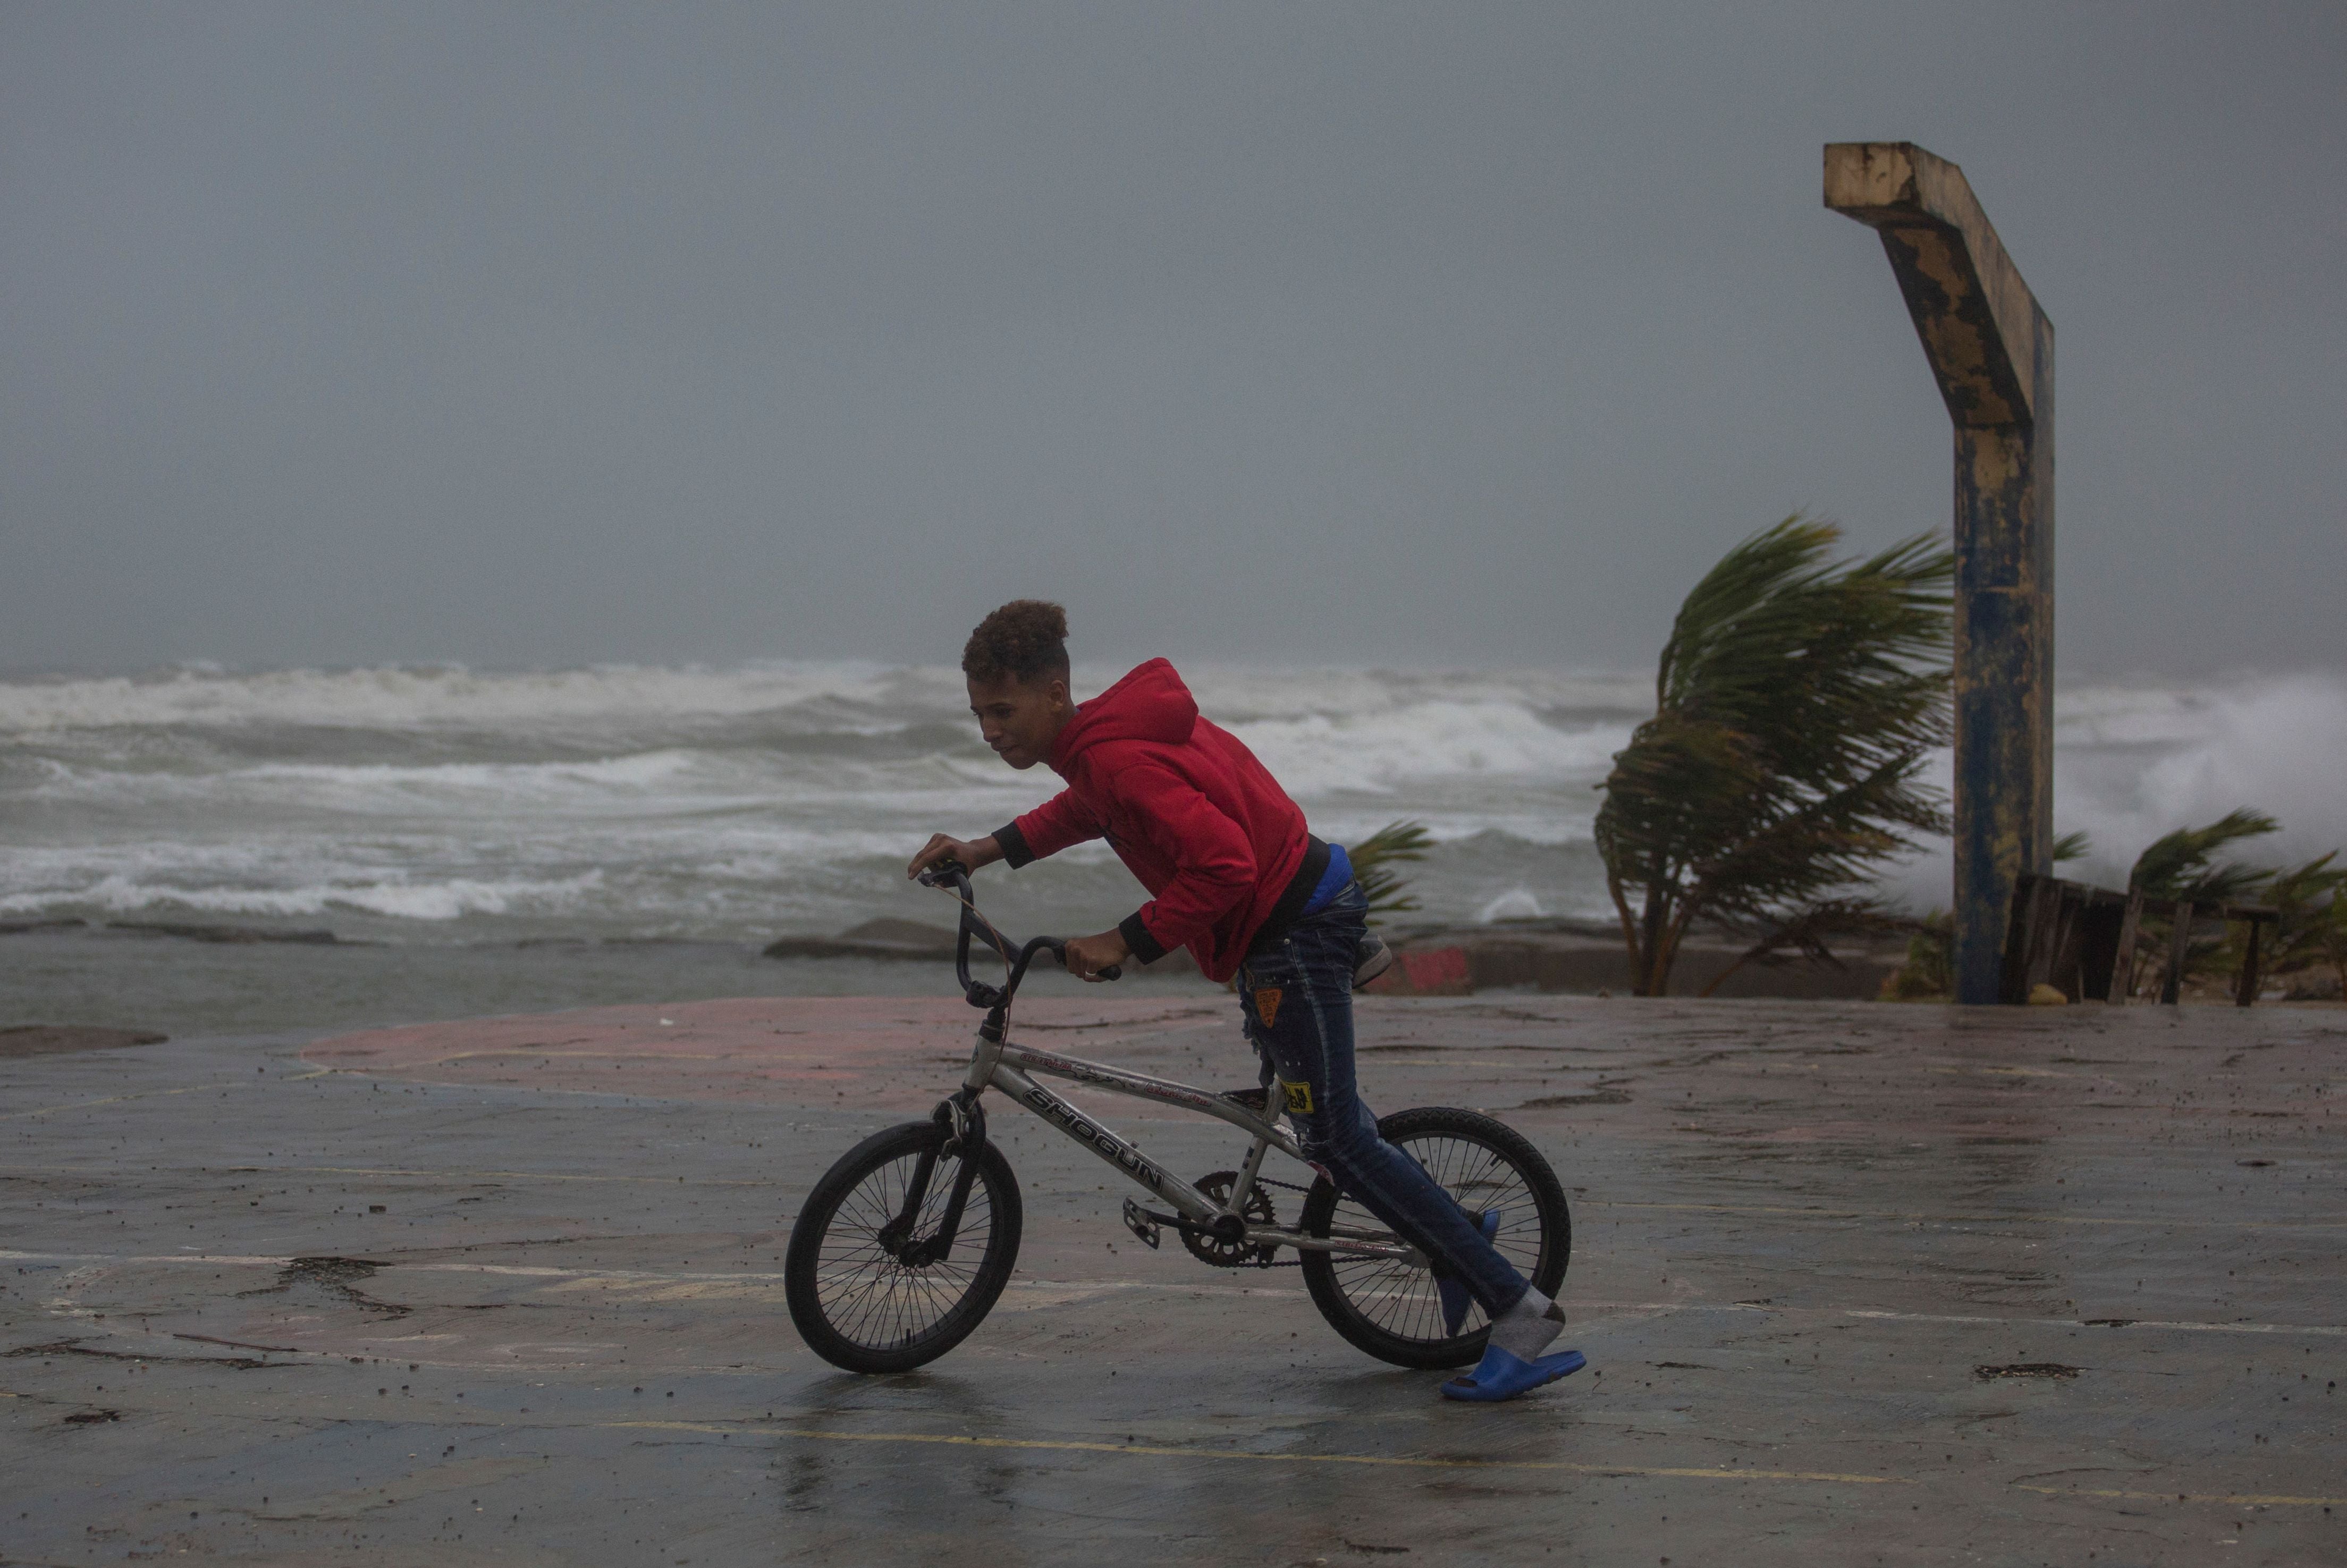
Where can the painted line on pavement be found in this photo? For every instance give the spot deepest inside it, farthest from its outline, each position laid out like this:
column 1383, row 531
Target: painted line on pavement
column 119, row 1099
column 622, row 1275
column 2237, row 1499
column 653, row 1058
column 102, row 1172
column 1823, row 1214
column 1154, row 1450
column 159, row 1094
column 1424, row 1461
column 631, row 1276
column 2113, row 1324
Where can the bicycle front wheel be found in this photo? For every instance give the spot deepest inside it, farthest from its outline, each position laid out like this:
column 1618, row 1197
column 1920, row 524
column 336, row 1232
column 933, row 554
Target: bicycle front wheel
column 869, row 1288
column 1390, row 1308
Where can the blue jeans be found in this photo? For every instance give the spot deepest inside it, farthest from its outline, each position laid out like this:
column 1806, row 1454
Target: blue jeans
column 1298, row 996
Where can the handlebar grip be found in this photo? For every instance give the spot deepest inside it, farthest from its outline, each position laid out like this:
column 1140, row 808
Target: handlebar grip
column 1058, row 947
column 943, row 871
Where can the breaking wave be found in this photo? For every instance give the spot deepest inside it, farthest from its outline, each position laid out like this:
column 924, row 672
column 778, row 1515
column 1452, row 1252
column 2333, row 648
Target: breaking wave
column 734, row 803
column 404, row 900
column 2135, row 761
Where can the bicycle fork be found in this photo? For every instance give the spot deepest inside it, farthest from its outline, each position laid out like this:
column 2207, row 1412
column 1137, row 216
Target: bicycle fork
column 961, row 1114
column 965, row 1120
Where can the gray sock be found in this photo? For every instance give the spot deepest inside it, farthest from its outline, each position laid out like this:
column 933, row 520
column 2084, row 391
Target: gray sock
column 1530, row 1326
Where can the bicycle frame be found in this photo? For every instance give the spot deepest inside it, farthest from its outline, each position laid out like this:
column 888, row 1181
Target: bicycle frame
column 999, row 1063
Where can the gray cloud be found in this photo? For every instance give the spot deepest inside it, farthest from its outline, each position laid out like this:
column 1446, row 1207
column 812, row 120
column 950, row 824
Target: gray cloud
column 342, row 334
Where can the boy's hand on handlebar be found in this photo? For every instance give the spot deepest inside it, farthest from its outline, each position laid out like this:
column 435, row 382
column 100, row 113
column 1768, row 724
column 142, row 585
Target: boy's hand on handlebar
column 941, row 848
column 1087, row 956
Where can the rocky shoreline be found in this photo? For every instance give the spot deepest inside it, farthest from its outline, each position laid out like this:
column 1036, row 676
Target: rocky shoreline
column 1561, row 957
column 192, row 931
column 55, row 1040
column 1556, row 957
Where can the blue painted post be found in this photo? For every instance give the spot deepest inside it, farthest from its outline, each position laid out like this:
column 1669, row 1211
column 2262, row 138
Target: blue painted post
column 1991, row 351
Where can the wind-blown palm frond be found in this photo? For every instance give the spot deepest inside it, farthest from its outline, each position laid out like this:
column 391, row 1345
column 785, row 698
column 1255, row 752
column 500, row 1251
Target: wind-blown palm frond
column 1374, row 859
column 1930, row 973
column 2311, row 900
column 2318, row 935
column 1795, row 704
column 2183, row 866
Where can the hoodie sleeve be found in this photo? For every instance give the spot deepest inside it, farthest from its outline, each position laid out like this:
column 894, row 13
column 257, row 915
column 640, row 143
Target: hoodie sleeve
column 1048, row 829
column 1214, row 865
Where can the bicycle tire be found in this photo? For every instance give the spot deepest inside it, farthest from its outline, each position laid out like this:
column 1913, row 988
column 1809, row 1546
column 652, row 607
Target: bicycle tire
column 1389, row 1308
column 864, row 1310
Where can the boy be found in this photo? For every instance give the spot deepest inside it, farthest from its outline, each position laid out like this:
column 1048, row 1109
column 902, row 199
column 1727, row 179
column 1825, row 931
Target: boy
column 1234, row 876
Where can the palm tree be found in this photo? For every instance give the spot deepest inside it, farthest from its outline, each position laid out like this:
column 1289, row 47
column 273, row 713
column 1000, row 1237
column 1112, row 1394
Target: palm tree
column 2325, row 929
column 1795, row 704
column 2183, row 866
column 1374, row 859
column 1929, row 974
column 2312, row 902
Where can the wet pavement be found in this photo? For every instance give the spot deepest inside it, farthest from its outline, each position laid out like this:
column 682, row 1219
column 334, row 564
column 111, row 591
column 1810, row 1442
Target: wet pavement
column 1858, row 1283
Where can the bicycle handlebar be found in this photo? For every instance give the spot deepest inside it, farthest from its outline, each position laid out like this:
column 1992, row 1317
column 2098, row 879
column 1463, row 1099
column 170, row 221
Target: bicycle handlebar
column 953, row 876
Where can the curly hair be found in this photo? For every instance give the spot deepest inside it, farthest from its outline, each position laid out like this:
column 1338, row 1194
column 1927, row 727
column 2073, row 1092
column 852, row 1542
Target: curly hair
column 1026, row 641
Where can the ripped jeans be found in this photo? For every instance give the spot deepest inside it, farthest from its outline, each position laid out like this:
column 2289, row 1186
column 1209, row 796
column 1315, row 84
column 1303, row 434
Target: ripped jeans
column 1298, row 996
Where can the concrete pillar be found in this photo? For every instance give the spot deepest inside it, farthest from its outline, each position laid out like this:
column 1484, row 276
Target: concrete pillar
column 1991, row 351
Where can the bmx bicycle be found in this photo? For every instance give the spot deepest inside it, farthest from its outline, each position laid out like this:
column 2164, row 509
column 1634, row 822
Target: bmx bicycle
column 904, row 1245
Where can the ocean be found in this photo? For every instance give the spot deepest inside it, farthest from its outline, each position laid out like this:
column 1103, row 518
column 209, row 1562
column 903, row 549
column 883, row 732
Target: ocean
column 487, row 841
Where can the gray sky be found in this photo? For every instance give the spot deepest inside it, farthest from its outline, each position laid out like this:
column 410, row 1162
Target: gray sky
column 1463, row 333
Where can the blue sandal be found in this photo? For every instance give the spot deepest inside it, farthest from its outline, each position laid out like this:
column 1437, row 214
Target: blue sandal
column 1503, row 1375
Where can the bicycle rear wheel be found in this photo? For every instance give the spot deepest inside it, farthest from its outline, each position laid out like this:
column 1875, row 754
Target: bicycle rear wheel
column 867, row 1292
column 1389, row 1308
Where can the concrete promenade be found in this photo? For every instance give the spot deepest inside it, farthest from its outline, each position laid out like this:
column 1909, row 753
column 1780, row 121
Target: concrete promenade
column 1859, row 1283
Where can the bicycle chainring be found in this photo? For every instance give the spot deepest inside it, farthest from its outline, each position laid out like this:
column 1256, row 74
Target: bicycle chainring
column 1220, row 1254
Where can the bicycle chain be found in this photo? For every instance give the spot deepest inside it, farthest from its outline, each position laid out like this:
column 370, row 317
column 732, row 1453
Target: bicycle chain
column 1252, row 1262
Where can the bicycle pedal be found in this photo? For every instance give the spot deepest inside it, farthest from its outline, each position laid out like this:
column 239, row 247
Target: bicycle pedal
column 1138, row 1221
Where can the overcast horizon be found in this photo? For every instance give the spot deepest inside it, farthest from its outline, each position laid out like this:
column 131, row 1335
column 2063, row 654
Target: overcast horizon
column 337, row 336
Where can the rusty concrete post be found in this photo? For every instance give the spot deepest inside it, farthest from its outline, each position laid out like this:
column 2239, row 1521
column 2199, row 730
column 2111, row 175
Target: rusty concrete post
column 1991, row 351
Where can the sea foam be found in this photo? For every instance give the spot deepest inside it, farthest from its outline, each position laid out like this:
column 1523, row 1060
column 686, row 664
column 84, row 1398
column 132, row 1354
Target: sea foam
column 2135, row 761
column 732, row 803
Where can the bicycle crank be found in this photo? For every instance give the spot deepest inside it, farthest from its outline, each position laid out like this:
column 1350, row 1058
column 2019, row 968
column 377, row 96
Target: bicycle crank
column 1224, row 1244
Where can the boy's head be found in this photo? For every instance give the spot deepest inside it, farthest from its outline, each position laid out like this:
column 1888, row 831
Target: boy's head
column 1017, row 666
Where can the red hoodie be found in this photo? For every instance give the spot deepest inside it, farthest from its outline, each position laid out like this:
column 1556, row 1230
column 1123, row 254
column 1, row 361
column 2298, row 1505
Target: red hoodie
column 1188, row 809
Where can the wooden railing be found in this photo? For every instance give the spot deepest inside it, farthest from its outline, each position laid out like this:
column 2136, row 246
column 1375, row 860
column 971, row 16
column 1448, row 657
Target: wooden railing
column 2083, row 940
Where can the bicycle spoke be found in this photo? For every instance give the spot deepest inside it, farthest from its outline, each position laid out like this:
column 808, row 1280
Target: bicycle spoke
column 871, row 1298
column 1403, row 1301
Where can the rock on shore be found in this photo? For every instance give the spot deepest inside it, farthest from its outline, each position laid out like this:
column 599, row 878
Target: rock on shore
column 1582, row 959
column 51, row 1040
column 894, row 938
